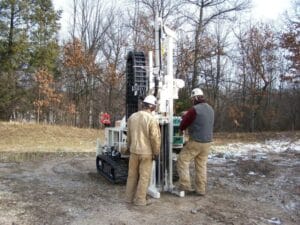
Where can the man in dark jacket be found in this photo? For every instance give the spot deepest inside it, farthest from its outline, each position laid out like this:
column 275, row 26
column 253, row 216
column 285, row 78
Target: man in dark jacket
column 199, row 120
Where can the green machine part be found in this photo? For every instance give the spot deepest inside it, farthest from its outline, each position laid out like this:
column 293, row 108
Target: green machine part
column 178, row 138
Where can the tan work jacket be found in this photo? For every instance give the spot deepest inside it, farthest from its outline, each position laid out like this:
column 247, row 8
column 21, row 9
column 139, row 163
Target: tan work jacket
column 143, row 135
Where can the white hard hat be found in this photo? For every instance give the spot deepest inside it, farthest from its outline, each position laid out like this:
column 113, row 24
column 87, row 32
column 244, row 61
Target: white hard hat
column 150, row 99
column 196, row 92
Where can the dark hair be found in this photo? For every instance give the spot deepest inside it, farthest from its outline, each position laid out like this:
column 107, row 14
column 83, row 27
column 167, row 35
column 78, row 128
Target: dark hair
column 198, row 99
column 146, row 105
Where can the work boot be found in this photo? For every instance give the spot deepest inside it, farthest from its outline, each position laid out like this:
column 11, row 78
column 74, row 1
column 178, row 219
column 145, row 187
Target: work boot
column 186, row 190
column 142, row 203
column 199, row 193
column 189, row 191
column 128, row 201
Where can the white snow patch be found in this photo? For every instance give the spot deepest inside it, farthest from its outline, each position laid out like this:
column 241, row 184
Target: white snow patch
column 269, row 146
column 257, row 150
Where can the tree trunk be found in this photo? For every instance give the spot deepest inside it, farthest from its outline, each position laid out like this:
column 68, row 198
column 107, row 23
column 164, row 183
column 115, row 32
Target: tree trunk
column 197, row 53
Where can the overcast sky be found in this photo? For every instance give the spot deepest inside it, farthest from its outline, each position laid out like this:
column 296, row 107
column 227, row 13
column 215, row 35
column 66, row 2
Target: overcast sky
column 262, row 10
column 270, row 9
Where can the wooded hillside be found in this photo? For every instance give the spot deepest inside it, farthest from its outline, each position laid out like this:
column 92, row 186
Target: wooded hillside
column 249, row 71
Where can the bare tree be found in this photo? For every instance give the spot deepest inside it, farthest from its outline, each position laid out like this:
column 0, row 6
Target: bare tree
column 142, row 20
column 200, row 14
column 161, row 8
column 91, row 21
column 258, row 59
column 290, row 42
column 113, row 77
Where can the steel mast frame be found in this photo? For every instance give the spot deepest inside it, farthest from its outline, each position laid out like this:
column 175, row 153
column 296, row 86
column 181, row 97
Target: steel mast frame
column 165, row 87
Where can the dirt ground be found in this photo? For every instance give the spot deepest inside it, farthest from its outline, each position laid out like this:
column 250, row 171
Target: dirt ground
column 59, row 188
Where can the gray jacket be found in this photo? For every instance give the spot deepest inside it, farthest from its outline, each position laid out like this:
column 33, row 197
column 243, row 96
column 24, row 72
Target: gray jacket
column 201, row 129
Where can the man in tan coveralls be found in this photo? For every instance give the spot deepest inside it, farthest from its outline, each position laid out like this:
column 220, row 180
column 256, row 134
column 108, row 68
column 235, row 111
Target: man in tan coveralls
column 143, row 141
column 199, row 120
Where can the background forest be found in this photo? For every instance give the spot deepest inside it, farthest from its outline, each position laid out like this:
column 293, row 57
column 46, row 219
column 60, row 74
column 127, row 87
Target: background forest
column 249, row 71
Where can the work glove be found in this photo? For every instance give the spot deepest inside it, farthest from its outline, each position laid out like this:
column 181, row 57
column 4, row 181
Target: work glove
column 125, row 151
column 155, row 157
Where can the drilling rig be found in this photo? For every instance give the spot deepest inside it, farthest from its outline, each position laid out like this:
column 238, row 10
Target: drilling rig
column 154, row 77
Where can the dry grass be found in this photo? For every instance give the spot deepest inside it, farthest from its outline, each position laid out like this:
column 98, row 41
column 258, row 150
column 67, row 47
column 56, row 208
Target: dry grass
column 19, row 137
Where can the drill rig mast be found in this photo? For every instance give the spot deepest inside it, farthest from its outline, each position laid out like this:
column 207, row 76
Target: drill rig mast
column 159, row 81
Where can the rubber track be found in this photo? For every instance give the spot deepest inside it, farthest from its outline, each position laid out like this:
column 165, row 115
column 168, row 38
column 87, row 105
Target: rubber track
column 115, row 170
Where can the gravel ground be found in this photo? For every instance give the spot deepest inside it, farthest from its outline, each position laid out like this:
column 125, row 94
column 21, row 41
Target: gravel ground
column 66, row 189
